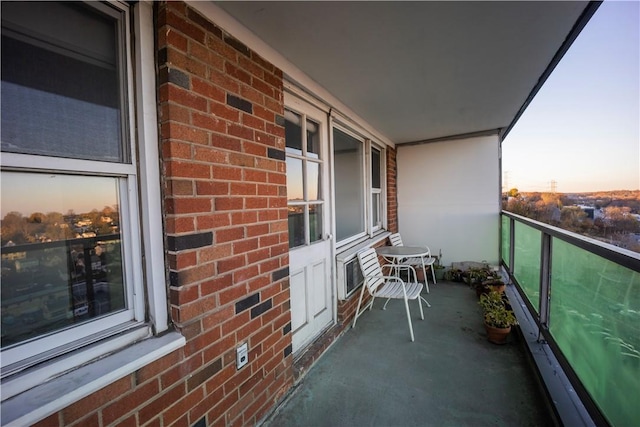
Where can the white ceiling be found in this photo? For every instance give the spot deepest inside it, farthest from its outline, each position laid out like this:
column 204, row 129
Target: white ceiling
column 419, row 70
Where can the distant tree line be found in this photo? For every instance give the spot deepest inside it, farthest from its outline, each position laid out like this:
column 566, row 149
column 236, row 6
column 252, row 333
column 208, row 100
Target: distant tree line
column 18, row 229
column 613, row 223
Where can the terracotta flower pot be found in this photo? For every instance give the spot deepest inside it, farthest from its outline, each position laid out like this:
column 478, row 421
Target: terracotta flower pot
column 497, row 335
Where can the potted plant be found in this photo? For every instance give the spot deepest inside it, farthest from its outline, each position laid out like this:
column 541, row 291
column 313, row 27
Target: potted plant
column 438, row 267
column 498, row 316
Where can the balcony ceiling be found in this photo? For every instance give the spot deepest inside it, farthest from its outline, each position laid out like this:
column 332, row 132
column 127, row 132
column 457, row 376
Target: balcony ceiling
column 419, row 70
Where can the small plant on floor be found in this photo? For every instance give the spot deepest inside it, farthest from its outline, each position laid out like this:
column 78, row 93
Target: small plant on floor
column 498, row 316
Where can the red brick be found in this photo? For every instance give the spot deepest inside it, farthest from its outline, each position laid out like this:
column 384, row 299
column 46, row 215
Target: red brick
column 196, row 274
column 212, row 188
column 239, row 159
column 265, row 138
column 174, row 39
column 256, row 203
column 185, row 62
column 244, row 217
column 184, row 97
column 182, row 406
column 258, row 283
column 263, row 113
column 267, row 190
column 257, row 230
column 52, row 420
column 230, row 264
column 240, row 131
column 223, row 81
column 224, row 111
column 220, row 47
column 209, row 122
column 130, row 421
column 263, row 87
column 229, row 203
column 243, row 189
column 244, row 246
column 214, row 220
column 255, row 175
column 89, row 421
column 129, row 401
column 232, row 324
column 227, row 173
column 245, row 274
column 205, row 55
column 207, row 91
column 175, row 112
column 252, row 95
column 253, row 122
column 216, row 284
column 184, row 295
column 210, row 155
column 198, row 411
column 250, row 66
column 181, row 24
column 226, row 142
column 180, row 371
column 184, row 133
column 232, row 294
column 267, row 164
column 179, row 187
column 190, row 205
column 252, row 148
column 158, row 405
column 237, row 73
column 216, row 318
column 179, row 225
column 95, row 400
column 181, row 169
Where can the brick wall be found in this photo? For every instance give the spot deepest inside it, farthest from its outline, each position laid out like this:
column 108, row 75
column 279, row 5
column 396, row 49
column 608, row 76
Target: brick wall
column 224, row 185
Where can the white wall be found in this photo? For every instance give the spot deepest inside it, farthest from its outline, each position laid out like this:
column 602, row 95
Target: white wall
column 449, row 197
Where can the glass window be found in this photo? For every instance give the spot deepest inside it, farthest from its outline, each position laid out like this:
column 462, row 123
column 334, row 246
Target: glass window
column 68, row 182
column 304, row 179
column 358, row 193
column 348, row 160
column 61, row 95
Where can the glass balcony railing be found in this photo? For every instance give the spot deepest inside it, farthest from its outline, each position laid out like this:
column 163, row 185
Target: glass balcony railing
column 585, row 297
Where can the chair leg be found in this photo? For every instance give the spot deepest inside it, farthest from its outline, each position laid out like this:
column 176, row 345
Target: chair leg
column 420, row 304
column 424, row 272
column 433, row 274
column 406, row 306
column 384, row 307
column 358, row 308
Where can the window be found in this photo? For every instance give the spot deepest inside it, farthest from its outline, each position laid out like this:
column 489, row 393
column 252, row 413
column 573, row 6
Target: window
column 359, row 186
column 304, row 179
column 71, row 249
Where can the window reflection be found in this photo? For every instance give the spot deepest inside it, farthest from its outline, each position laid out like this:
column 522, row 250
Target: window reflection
column 61, row 258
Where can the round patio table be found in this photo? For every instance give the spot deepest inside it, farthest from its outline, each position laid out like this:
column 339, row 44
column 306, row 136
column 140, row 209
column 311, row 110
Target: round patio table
column 395, row 255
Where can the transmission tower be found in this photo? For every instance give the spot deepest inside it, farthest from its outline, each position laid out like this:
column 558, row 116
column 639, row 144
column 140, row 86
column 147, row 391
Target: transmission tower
column 553, row 185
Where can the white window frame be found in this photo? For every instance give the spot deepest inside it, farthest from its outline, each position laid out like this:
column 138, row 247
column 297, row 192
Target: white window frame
column 141, row 227
column 370, row 229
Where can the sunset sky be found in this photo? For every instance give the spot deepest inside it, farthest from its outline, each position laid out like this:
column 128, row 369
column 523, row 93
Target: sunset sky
column 582, row 130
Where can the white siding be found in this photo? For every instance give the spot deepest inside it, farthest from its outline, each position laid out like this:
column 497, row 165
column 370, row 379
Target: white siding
column 449, row 197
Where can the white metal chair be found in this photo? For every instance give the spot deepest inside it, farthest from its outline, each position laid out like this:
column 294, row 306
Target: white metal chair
column 423, row 261
column 379, row 285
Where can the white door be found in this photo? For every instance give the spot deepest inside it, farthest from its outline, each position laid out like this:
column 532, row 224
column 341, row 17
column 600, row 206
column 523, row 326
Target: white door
column 309, row 237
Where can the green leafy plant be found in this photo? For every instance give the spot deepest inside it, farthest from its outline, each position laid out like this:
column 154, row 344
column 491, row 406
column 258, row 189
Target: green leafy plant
column 496, row 310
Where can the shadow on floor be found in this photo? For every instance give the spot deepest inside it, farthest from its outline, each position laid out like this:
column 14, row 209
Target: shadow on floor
column 450, row 376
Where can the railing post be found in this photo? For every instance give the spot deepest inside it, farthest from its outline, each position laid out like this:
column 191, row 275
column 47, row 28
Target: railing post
column 512, row 241
column 545, row 281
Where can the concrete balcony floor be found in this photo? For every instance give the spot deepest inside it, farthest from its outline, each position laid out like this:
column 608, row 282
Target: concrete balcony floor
column 450, row 376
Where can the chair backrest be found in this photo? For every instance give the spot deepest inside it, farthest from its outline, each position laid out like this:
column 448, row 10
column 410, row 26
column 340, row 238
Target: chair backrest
column 371, row 269
column 395, row 239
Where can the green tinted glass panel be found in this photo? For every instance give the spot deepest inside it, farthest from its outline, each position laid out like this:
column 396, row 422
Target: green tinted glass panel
column 595, row 319
column 526, row 262
column 505, row 239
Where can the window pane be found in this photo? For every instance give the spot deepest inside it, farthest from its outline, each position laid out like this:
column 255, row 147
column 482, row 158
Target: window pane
column 313, row 181
column 313, row 140
column 60, row 90
column 375, row 168
column 375, row 214
column 293, row 132
column 61, row 252
column 315, row 223
column 296, row 226
column 349, row 192
column 294, row 179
